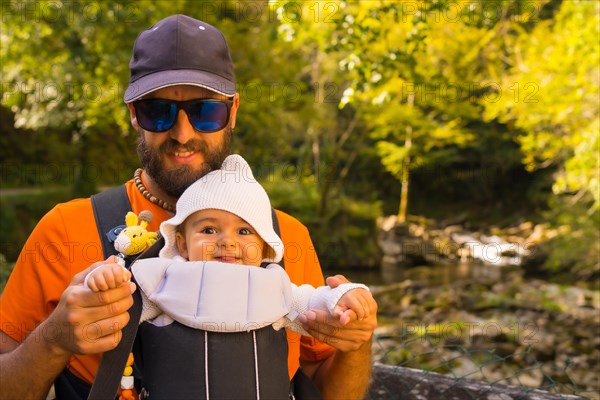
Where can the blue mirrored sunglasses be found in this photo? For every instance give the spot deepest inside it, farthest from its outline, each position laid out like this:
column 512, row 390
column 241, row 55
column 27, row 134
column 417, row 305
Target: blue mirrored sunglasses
column 205, row 115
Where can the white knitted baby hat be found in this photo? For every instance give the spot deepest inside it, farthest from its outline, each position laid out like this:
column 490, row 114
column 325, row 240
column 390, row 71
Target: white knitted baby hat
column 231, row 188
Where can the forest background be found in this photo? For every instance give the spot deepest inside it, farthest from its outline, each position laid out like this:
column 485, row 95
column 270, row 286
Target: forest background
column 490, row 109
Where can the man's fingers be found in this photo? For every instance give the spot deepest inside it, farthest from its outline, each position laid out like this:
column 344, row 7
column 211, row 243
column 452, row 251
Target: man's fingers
column 365, row 306
column 347, row 337
column 336, row 336
column 90, row 316
column 106, row 343
column 99, row 344
column 83, row 297
column 322, row 321
column 104, row 327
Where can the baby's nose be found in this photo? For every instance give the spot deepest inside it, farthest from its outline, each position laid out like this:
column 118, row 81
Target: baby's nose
column 227, row 241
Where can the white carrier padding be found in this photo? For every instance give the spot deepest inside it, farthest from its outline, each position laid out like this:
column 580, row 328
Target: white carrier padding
column 221, row 297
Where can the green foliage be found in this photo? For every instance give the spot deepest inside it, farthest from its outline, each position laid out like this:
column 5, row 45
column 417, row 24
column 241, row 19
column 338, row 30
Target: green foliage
column 554, row 76
column 420, row 80
column 20, row 213
column 575, row 252
column 75, row 95
column 5, row 270
column 345, row 238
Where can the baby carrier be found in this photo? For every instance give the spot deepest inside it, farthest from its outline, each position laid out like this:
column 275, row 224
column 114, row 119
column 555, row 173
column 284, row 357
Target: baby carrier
column 209, row 329
column 176, row 361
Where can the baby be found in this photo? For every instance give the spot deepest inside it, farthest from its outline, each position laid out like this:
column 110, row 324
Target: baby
column 206, row 275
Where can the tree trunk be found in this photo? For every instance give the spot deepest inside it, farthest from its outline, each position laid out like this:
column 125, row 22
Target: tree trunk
column 405, row 168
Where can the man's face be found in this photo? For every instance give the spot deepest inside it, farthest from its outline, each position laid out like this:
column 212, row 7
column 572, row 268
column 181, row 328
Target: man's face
column 178, row 157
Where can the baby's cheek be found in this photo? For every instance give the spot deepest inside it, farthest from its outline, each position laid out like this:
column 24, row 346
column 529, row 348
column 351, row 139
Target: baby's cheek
column 252, row 252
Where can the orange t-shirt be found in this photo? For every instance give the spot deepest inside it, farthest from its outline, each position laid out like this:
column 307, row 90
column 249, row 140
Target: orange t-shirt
column 66, row 241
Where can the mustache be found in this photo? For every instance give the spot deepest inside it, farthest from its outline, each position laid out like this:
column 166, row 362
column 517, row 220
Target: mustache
column 173, row 145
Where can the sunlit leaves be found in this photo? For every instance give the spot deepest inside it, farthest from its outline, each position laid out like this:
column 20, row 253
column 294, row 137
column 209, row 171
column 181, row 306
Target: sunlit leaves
column 552, row 95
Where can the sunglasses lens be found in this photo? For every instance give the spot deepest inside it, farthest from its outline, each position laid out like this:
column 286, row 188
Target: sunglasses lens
column 160, row 115
column 156, row 115
column 208, row 116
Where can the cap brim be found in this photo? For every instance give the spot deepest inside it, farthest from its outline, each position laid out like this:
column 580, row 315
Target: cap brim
column 162, row 79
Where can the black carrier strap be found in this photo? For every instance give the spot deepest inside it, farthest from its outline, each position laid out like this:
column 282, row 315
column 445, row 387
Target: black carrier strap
column 277, row 231
column 110, row 208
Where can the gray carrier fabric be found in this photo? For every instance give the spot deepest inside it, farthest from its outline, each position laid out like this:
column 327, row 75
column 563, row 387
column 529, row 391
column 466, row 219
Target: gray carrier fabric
column 178, row 362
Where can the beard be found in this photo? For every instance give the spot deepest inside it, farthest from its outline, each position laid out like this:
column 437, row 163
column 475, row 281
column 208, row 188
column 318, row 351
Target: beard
column 174, row 181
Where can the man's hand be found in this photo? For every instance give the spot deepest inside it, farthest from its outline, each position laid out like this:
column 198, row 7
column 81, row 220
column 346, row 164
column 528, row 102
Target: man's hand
column 328, row 329
column 87, row 322
column 345, row 374
column 83, row 322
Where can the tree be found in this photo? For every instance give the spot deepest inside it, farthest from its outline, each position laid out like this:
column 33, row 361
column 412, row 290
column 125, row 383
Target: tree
column 421, row 73
column 553, row 80
column 63, row 73
column 552, row 96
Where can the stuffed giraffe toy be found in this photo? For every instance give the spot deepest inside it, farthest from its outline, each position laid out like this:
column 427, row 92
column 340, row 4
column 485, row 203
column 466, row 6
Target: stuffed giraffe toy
column 134, row 238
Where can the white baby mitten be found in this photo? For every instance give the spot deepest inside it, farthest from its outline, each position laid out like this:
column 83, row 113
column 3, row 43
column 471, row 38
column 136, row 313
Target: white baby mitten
column 306, row 297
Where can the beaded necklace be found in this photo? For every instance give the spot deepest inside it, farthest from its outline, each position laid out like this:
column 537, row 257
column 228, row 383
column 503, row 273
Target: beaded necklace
column 137, row 178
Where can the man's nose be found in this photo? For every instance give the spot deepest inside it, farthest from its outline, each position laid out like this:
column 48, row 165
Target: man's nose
column 182, row 131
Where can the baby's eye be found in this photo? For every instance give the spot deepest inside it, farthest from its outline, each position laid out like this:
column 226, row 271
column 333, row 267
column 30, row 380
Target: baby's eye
column 245, row 231
column 209, row 230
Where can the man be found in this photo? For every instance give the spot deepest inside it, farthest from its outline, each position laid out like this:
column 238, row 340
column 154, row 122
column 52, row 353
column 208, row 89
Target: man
column 183, row 104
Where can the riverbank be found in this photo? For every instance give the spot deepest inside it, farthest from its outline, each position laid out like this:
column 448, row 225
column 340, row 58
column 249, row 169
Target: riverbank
column 491, row 325
column 539, row 249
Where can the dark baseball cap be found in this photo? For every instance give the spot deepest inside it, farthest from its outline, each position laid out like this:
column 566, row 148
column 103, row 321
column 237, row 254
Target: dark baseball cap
column 180, row 50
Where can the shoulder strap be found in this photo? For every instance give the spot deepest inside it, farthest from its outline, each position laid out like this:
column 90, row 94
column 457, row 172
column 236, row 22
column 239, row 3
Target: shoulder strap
column 107, row 380
column 110, row 208
column 278, row 232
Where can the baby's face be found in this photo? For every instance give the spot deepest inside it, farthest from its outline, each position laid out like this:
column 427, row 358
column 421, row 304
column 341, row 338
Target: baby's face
column 217, row 235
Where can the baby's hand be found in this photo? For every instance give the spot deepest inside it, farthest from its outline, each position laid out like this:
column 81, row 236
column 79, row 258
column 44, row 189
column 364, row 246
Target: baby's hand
column 353, row 305
column 107, row 276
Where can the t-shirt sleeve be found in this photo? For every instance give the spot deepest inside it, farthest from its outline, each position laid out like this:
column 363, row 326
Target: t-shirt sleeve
column 42, row 272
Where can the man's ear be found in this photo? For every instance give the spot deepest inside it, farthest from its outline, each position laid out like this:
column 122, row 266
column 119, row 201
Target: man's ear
column 234, row 108
column 133, row 118
column 181, row 246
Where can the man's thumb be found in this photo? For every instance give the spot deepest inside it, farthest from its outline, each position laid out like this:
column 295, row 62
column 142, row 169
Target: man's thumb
column 336, row 280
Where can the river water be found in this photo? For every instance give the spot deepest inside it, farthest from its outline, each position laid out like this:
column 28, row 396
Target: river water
column 435, row 275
